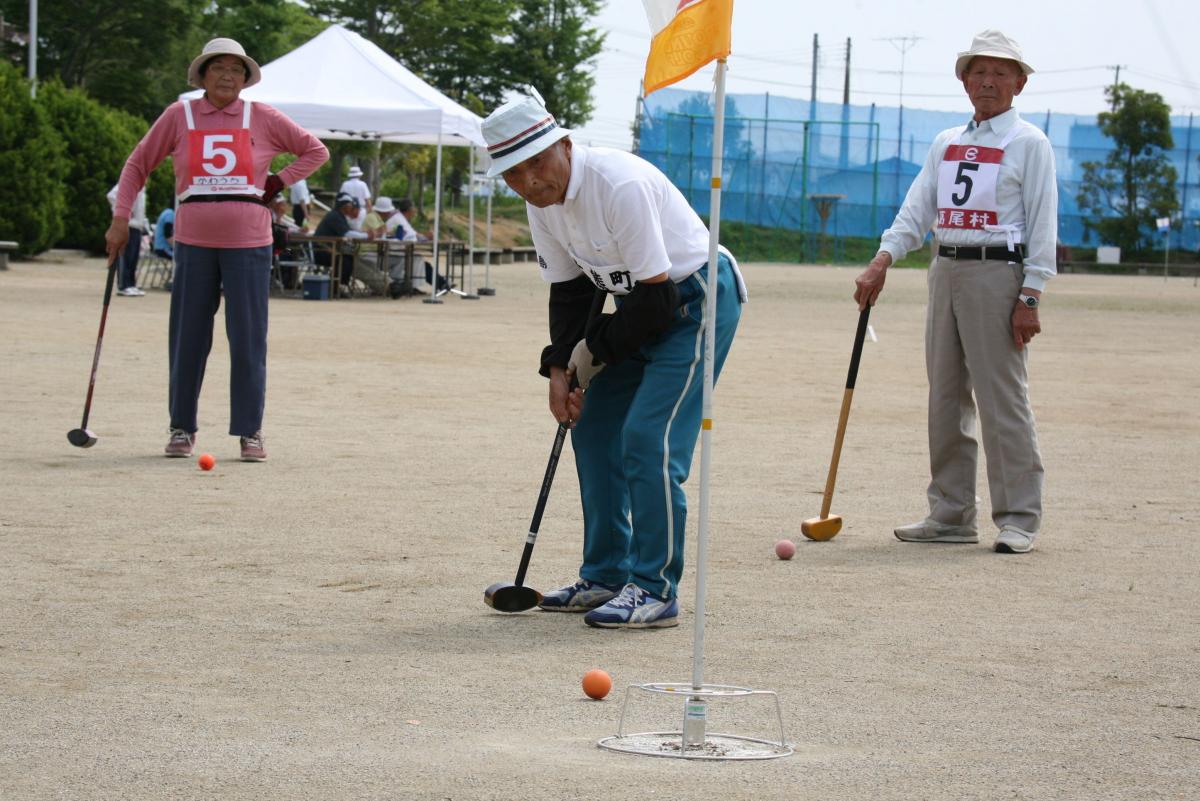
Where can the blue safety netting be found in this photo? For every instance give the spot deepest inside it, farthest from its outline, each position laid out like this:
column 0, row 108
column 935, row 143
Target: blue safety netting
column 789, row 163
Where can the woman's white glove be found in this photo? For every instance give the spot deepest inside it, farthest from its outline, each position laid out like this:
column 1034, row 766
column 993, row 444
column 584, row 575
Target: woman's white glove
column 583, row 365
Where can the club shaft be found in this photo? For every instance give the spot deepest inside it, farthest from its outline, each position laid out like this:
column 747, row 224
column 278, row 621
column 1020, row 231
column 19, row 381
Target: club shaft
column 560, row 436
column 852, row 376
column 108, row 286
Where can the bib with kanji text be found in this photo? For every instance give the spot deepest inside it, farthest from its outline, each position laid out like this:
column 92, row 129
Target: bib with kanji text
column 966, row 187
column 220, row 161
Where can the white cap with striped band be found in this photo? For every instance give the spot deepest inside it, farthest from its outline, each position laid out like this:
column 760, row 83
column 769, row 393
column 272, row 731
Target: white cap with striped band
column 519, row 130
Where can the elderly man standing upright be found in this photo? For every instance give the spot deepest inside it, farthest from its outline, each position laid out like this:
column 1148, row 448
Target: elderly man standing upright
column 606, row 220
column 988, row 191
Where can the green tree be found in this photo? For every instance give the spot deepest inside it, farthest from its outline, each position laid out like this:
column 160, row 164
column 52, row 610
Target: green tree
column 553, row 49
column 267, row 29
column 97, row 141
column 32, row 168
column 454, row 45
column 1135, row 184
column 129, row 54
column 474, row 51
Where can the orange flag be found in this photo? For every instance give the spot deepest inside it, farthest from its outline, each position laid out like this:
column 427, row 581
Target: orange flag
column 687, row 34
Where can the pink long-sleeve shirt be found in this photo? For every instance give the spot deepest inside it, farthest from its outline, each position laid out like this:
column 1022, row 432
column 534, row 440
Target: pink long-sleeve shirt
column 220, row 225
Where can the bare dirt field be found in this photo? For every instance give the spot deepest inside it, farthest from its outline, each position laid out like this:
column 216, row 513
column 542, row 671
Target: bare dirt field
column 313, row 627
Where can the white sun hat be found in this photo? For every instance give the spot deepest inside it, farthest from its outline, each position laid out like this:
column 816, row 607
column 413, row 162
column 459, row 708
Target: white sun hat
column 384, row 204
column 519, row 130
column 355, row 172
column 222, row 47
column 991, row 43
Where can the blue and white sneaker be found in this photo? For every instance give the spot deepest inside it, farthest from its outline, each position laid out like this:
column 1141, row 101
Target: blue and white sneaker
column 582, row 596
column 635, row 608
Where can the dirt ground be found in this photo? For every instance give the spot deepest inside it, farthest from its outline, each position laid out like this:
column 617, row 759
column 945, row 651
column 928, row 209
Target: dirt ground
column 313, row 627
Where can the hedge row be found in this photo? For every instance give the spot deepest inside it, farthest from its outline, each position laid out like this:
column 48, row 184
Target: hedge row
column 59, row 155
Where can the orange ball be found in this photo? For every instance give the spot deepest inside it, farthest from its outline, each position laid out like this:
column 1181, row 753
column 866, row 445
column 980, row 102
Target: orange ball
column 596, row 683
column 207, row 461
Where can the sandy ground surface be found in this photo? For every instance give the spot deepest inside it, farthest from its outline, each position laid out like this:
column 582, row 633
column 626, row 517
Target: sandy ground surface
column 312, row 627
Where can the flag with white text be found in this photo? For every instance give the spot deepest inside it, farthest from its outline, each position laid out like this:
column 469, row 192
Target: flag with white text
column 686, row 35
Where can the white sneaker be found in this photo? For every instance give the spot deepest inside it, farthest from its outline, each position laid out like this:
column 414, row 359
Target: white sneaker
column 1014, row 540
column 131, row 292
column 933, row 531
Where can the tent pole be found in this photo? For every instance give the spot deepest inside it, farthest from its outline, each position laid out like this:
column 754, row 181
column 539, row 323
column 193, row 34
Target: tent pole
column 487, row 289
column 434, row 294
column 469, row 271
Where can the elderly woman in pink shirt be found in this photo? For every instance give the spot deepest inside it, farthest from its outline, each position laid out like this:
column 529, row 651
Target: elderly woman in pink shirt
column 221, row 148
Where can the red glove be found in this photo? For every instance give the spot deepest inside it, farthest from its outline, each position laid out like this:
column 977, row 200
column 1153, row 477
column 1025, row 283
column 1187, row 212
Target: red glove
column 273, row 187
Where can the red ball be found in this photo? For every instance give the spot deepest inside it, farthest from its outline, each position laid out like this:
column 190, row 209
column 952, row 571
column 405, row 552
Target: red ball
column 785, row 549
column 207, row 461
column 596, row 683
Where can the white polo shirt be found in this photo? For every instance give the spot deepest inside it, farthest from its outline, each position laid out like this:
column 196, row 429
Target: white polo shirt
column 622, row 221
column 1026, row 194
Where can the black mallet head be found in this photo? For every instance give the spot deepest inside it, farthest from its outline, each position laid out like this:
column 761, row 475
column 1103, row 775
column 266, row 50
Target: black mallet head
column 81, row 438
column 505, row 597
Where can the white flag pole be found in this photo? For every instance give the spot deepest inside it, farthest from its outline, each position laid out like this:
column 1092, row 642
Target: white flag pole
column 694, row 716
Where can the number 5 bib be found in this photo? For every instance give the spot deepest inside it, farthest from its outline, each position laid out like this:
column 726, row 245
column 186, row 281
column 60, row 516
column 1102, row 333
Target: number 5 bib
column 220, row 161
column 966, row 188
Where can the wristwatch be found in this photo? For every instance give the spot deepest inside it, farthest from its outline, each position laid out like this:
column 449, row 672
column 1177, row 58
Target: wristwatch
column 1029, row 300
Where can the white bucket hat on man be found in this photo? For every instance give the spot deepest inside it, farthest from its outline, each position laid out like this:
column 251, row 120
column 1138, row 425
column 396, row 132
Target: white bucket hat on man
column 383, row 204
column 355, row 172
column 519, row 130
column 222, row 47
column 991, row 43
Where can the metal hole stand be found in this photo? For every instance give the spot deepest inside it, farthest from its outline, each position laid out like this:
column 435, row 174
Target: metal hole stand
column 692, row 741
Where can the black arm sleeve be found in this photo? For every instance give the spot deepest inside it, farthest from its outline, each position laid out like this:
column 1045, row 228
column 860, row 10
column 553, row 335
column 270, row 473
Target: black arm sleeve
column 569, row 303
column 644, row 314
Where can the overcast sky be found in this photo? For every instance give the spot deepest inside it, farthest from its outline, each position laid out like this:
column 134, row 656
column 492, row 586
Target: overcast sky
column 1073, row 45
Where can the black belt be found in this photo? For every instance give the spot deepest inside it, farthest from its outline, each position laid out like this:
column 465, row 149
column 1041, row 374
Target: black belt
column 975, row 253
column 220, row 198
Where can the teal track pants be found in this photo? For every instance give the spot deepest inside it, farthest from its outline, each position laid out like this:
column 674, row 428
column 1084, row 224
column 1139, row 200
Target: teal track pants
column 635, row 439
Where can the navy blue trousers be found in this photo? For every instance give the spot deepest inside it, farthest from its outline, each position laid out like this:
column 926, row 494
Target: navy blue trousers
column 200, row 275
column 634, row 443
column 127, row 274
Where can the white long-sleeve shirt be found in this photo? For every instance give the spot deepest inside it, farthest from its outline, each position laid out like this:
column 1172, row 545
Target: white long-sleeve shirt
column 137, row 214
column 1026, row 194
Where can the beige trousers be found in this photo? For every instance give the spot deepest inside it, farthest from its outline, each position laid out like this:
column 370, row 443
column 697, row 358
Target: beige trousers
column 969, row 348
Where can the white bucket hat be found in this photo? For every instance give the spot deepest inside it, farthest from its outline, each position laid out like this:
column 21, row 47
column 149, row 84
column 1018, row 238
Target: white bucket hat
column 991, row 43
column 519, row 130
column 355, row 172
column 222, row 47
column 384, row 204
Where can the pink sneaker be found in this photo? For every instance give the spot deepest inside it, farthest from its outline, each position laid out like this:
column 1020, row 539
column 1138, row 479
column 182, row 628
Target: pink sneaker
column 253, row 448
column 180, row 444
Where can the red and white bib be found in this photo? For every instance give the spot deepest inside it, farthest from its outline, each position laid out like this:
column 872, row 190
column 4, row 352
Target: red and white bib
column 966, row 186
column 220, row 161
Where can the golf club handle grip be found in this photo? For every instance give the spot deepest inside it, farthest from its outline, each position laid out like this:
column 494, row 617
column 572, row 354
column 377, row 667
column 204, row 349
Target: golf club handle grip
column 843, row 418
column 108, row 282
column 548, row 479
column 856, row 354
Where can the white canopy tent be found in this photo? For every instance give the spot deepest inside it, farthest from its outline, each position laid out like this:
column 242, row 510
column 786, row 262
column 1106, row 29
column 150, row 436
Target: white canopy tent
column 339, row 85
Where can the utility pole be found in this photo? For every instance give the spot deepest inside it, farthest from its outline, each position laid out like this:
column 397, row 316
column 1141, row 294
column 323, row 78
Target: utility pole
column 903, row 44
column 1116, row 82
column 844, row 150
column 812, row 103
column 33, row 9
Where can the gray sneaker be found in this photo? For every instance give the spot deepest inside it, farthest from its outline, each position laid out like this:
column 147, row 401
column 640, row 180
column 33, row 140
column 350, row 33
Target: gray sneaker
column 933, row 531
column 582, row 596
column 1014, row 540
column 253, row 448
column 180, row 444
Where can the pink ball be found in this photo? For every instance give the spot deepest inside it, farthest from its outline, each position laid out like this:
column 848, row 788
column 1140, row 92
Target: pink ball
column 785, row 549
